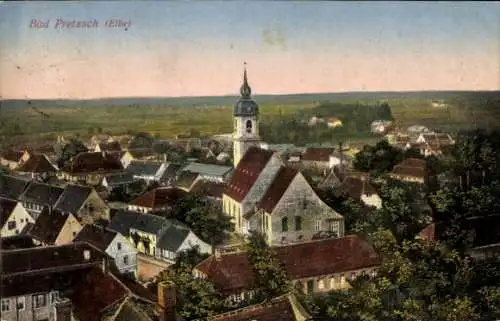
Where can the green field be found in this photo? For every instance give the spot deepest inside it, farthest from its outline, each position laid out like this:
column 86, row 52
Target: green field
column 167, row 119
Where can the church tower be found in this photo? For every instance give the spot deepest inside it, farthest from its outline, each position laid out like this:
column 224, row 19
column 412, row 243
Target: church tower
column 246, row 122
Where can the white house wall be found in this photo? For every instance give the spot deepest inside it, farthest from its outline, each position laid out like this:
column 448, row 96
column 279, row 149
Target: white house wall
column 193, row 240
column 19, row 215
column 127, row 250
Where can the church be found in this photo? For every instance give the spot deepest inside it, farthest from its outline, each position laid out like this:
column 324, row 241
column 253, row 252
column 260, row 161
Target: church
column 264, row 194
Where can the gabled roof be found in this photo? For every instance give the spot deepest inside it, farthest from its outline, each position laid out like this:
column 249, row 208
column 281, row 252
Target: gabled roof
column 356, row 187
column 208, row 188
column 208, row 169
column 95, row 292
column 137, row 310
column 186, row 180
column 48, row 225
column 119, row 178
column 317, row 154
column 246, row 173
column 16, row 242
column 173, row 238
column 159, row 197
column 171, row 172
column 233, row 271
column 48, row 258
column 6, row 208
column 12, row 156
column 97, row 236
column 122, row 221
column 411, row 167
column 110, row 146
column 73, row 197
column 278, row 187
column 276, row 309
column 12, row 187
column 37, row 163
column 89, row 162
column 140, row 168
column 41, row 193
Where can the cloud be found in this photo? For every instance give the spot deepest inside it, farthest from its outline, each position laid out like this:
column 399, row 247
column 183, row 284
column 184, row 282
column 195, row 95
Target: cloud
column 274, row 36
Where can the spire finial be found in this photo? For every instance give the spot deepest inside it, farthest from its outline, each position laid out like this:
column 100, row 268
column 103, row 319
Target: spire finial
column 245, row 89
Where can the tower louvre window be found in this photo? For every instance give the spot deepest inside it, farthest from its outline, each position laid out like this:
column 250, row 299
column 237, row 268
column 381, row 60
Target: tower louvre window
column 248, row 126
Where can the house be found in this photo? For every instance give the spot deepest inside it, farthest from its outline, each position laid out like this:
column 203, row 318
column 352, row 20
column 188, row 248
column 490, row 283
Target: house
column 334, row 122
column 113, row 244
column 148, row 171
column 250, row 180
column 123, row 156
column 154, row 235
column 312, row 267
column 315, row 120
column 290, row 211
column 416, row 130
column 33, row 281
column 142, row 153
column 54, row 227
column 282, row 308
column 16, row 242
column 380, row 126
column 209, row 189
column 359, row 188
column 12, row 187
column 83, row 202
column 120, row 180
column 317, row 158
column 339, row 159
column 187, row 143
column 157, row 200
column 38, row 165
column 108, row 147
column 170, row 174
column 433, row 143
column 333, row 179
column 89, row 168
column 217, row 173
column 13, row 217
column 12, row 159
column 185, row 180
column 37, row 196
column 412, row 170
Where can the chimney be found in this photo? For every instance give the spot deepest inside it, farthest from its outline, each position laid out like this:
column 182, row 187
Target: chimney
column 62, row 310
column 167, row 300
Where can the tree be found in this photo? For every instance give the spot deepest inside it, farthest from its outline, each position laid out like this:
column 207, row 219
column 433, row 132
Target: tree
column 270, row 278
column 142, row 140
column 71, row 149
column 380, row 158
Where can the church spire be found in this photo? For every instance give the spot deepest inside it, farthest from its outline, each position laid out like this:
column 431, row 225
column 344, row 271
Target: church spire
column 245, row 89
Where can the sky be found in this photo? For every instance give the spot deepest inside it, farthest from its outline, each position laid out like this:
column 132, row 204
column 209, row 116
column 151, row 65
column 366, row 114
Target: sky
column 197, row 48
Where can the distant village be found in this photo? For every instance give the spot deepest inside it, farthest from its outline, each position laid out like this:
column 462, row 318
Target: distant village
column 84, row 236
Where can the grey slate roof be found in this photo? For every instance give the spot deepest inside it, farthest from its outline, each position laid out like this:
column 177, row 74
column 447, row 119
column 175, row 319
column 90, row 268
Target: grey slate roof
column 96, row 236
column 171, row 172
column 6, row 208
column 72, row 198
column 173, row 238
column 122, row 221
column 41, row 193
column 119, row 179
column 12, row 187
column 207, row 169
column 143, row 168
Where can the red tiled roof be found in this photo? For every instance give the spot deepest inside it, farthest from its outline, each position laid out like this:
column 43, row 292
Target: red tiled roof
column 317, row 154
column 355, row 187
column 317, row 258
column 409, row 171
column 277, row 188
column 246, row 173
column 93, row 162
column 94, row 293
column 428, row 233
column 159, row 197
column 277, row 309
column 37, row 163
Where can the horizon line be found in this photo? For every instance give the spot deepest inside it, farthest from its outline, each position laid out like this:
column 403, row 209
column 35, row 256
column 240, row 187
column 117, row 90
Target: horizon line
column 267, row 94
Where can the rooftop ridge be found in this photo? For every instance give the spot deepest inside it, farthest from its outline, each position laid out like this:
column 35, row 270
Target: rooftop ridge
column 263, row 304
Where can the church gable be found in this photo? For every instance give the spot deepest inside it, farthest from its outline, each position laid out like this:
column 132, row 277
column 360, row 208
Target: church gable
column 278, row 187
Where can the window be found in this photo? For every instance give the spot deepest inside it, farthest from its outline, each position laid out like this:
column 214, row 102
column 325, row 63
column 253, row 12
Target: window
column 53, row 297
column 21, row 303
column 11, row 225
column 125, row 259
column 5, row 305
column 284, row 224
column 39, row 301
column 119, row 246
column 334, row 226
column 249, row 126
column 298, row 223
column 317, row 225
column 321, row 284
